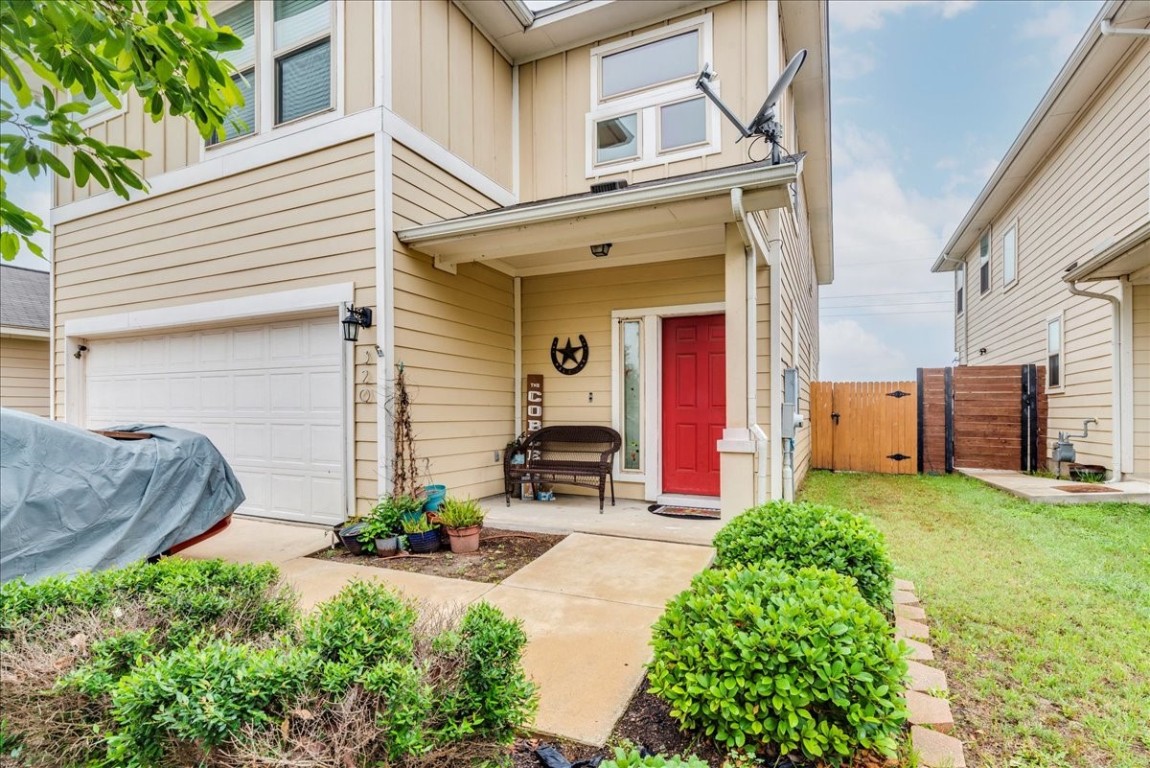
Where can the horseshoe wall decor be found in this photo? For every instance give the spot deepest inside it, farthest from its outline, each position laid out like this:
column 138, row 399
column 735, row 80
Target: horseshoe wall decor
column 569, row 354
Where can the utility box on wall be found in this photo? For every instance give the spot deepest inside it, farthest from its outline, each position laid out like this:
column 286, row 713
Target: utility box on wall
column 792, row 420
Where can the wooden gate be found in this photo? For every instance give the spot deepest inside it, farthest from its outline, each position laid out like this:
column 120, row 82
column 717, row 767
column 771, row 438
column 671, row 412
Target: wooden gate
column 865, row 426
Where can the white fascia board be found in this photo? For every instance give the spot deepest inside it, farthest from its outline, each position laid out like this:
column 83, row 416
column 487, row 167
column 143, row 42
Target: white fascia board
column 1108, row 253
column 13, row 331
column 606, row 202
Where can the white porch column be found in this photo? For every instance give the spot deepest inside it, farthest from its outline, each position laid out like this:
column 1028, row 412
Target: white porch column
column 737, row 448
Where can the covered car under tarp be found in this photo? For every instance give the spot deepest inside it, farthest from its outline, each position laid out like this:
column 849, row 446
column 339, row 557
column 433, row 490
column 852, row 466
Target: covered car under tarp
column 72, row 500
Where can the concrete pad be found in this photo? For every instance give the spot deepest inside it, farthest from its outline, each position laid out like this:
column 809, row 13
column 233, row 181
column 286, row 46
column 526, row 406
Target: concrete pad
column 1045, row 490
column 929, row 710
column 260, row 541
column 902, row 597
column 918, row 651
column 909, row 612
column 318, row 580
column 924, row 678
column 609, row 568
column 588, row 657
column 904, row 585
column 910, row 628
column 937, row 750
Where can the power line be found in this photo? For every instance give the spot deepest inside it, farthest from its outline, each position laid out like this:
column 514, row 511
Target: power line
column 935, row 303
column 877, row 295
column 892, row 314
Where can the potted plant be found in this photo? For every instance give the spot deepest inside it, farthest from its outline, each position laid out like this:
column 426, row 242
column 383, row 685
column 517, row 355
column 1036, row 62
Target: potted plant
column 463, row 519
column 410, row 508
column 379, row 532
column 422, row 537
column 349, row 535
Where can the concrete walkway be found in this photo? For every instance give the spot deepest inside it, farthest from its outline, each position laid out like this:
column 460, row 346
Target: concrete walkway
column 1047, row 490
column 587, row 606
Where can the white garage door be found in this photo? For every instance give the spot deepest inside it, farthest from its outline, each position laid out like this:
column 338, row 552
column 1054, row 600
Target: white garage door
column 268, row 396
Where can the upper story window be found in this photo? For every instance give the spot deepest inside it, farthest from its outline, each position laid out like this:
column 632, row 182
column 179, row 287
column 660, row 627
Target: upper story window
column 1010, row 255
column 984, row 262
column 1054, row 351
column 645, row 109
column 959, row 289
column 284, row 69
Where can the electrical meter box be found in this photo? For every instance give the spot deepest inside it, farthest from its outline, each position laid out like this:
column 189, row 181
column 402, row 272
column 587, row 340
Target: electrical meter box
column 792, row 421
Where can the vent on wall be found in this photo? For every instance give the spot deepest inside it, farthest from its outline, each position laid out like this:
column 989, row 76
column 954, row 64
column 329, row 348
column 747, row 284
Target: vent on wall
column 608, row 186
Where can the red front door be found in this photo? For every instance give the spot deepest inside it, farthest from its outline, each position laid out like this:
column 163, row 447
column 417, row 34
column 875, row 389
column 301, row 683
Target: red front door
column 694, row 402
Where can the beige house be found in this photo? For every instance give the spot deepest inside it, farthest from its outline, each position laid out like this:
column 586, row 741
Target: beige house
column 24, row 339
column 1052, row 262
column 433, row 162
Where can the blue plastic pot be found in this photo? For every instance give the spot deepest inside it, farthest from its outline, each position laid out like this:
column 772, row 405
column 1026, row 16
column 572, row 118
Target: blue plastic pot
column 423, row 543
column 435, row 494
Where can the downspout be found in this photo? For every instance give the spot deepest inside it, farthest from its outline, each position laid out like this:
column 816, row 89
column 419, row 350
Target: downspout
column 1116, row 372
column 1108, row 29
column 757, row 433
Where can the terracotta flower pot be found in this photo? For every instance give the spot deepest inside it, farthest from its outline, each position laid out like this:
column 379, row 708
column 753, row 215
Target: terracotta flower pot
column 464, row 540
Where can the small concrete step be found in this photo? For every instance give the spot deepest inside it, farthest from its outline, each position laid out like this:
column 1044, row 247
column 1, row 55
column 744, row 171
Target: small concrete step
column 924, row 678
column 937, row 750
column 910, row 628
column 918, row 651
column 910, row 612
column 903, row 597
column 929, row 710
column 903, row 584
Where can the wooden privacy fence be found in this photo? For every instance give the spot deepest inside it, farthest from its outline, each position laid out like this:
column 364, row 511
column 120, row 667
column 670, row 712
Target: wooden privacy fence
column 984, row 417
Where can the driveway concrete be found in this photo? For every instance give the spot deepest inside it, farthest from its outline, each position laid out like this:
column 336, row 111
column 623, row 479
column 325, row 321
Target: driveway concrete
column 317, row 580
column 260, row 541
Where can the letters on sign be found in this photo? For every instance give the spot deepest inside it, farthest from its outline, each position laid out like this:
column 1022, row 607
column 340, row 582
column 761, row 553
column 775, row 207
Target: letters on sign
column 534, row 402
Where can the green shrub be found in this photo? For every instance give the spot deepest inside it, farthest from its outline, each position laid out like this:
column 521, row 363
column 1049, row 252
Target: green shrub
column 493, row 695
column 631, row 758
column 759, row 655
column 804, row 534
column 461, row 513
column 407, row 701
column 200, row 695
column 110, row 659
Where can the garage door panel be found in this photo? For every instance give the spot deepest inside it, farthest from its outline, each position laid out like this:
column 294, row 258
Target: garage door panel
column 269, row 397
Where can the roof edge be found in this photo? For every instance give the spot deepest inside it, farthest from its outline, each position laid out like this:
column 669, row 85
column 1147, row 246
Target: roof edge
column 1106, row 254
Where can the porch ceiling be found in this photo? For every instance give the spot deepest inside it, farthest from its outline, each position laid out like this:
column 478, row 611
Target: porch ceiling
column 1129, row 257
column 676, row 218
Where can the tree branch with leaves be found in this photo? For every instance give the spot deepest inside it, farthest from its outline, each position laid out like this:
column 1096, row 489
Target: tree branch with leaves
column 55, row 56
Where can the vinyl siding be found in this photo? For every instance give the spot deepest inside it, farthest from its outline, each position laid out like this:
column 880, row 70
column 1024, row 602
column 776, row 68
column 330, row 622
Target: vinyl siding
column 567, row 305
column 555, row 93
column 174, row 142
column 455, row 336
column 304, row 222
column 24, row 365
column 1141, row 307
column 1093, row 187
column 452, row 84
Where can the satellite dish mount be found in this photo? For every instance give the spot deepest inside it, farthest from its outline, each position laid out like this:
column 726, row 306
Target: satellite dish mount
column 764, row 124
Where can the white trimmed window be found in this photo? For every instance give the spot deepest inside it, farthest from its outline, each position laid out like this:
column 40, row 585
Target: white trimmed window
column 984, row 262
column 1010, row 255
column 285, row 68
column 1055, row 351
column 959, row 289
column 645, row 109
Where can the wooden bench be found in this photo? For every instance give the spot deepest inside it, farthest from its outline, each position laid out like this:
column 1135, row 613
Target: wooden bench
column 571, row 455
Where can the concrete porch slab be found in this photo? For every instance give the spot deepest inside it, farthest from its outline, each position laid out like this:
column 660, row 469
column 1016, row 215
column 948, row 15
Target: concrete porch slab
column 620, row 570
column 248, row 540
column 588, row 657
column 1045, row 490
column 317, row 580
column 570, row 513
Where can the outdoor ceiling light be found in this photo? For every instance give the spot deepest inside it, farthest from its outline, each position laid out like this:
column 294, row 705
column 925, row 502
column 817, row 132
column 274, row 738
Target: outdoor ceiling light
column 356, row 318
column 599, row 250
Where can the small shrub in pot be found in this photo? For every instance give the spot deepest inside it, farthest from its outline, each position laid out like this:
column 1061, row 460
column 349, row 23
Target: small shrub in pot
column 803, row 534
column 762, row 657
column 463, row 519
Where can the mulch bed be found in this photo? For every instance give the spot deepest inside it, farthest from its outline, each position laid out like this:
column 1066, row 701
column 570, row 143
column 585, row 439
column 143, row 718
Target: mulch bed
column 501, row 553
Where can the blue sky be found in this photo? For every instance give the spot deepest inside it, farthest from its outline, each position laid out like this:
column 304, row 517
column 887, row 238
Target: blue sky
column 926, row 98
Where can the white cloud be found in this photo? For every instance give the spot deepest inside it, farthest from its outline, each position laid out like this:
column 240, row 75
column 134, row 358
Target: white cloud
column 851, row 63
column 1059, row 25
column 850, row 352
column 851, row 15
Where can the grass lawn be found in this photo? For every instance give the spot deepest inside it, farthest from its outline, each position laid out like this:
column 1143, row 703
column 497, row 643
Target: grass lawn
column 1039, row 614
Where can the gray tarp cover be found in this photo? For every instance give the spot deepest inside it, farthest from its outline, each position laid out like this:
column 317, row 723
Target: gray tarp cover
column 71, row 500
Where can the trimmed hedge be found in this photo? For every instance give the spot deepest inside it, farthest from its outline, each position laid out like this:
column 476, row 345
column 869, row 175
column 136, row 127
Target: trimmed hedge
column 762, row 657
column 804, row 534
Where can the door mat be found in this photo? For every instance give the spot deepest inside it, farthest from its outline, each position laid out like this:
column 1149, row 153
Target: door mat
column 688, row 513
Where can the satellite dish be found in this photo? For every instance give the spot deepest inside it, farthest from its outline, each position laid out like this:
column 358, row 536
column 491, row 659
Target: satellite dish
column 763, row 123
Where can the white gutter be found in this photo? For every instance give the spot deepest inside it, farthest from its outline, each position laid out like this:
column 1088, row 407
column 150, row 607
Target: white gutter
column 1116, row 409
column 750, row 179
column 24, row 333
column 1107, row 29
column 524, row 15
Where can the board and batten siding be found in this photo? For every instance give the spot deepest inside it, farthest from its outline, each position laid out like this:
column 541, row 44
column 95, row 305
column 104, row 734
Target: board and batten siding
column 24, row 374
column 455, row 336
column 1141, row 348
column 304, row 222
column 450, row 83
column 175, row 142
column 555, row 92
column 569, row 304
column 1092, row 188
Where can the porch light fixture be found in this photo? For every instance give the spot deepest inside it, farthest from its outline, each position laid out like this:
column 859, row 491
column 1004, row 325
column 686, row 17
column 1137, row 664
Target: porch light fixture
column 356, row 318
column 599, row 250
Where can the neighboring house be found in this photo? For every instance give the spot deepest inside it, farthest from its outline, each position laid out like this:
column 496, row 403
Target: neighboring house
column 1068, row 210
column 433, row 161
column 24, row 339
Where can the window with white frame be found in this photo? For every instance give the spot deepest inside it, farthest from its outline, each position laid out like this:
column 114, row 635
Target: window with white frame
column 959, row 289
column 284, row 69
column 631, row 339
column 645, row 109
column 984, row 262
column 1010, row 255
column 1055, row 347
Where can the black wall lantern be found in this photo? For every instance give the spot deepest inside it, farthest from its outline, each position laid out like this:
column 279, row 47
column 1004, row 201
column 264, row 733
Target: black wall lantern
column 356, row 318
column 599, row 250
